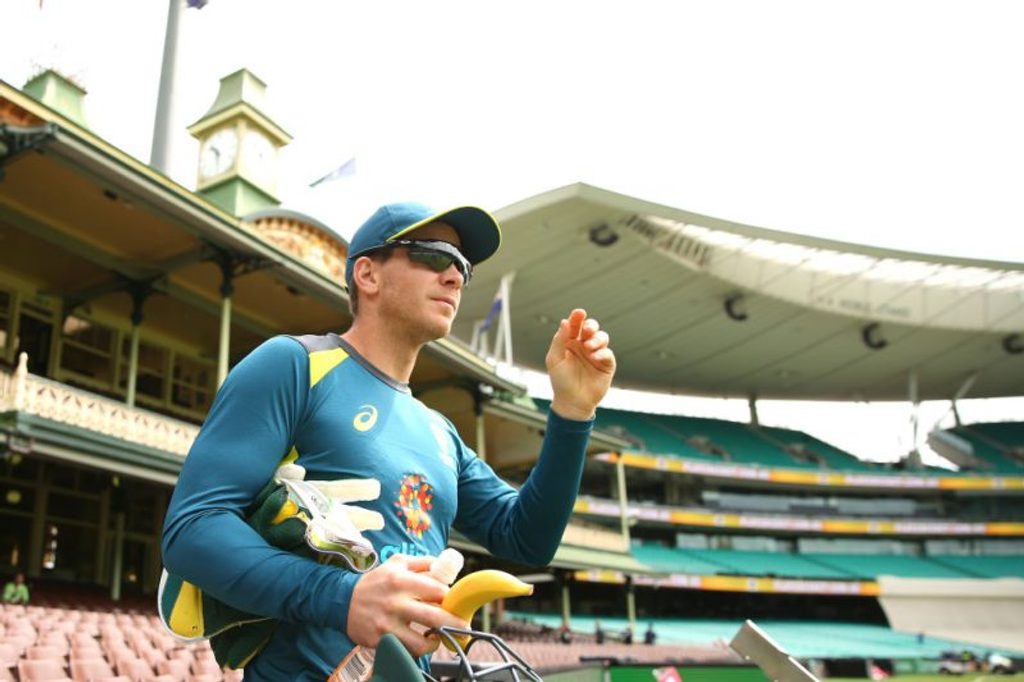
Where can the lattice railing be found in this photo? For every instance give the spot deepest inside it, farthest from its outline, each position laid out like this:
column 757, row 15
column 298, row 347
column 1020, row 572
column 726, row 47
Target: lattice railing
column 24, row 392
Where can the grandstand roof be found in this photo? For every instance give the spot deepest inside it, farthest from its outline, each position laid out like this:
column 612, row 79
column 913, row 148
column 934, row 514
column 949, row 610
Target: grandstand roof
column 83, row 221
column 703, row 306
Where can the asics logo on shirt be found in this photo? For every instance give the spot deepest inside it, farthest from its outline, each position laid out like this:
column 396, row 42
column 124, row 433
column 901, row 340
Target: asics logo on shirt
column 365, row 418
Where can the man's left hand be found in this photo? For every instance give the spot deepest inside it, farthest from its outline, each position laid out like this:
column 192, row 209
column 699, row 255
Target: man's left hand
column 580, row 365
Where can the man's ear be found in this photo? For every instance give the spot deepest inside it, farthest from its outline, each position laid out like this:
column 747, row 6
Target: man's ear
column 366, row 275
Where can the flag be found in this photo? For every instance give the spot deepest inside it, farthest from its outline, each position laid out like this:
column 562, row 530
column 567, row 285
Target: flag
column 492, row 313
column 344, row 170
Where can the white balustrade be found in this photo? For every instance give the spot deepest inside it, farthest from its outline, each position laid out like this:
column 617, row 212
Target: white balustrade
column 24, row 392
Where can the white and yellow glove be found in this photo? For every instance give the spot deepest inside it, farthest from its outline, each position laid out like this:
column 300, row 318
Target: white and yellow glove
column 309, row 518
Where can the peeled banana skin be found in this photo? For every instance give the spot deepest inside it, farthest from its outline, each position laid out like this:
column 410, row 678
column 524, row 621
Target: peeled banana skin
column 472, row 591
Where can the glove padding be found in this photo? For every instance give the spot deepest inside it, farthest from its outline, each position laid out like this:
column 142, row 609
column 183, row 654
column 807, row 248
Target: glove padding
column 281, row 514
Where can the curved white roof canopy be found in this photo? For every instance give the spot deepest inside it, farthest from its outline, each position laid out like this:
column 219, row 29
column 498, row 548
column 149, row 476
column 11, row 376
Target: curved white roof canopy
column 699, row 305
column 883, row 287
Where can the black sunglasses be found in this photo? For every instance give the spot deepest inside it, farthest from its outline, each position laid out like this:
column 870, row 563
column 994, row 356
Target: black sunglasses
column 437, row 255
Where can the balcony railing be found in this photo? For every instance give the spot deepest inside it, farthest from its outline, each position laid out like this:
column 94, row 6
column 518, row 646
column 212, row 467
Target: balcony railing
column 30, row 394
column 594, row 538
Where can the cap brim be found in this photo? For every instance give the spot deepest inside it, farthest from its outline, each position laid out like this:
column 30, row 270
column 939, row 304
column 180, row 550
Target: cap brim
column 479, row 232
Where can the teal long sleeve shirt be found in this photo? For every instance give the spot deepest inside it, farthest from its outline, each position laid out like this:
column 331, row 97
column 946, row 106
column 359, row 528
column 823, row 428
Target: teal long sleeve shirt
column 315, row 399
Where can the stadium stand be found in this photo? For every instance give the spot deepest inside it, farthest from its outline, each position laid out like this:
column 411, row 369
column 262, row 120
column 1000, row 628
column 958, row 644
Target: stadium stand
column 676, row 560
column 735, row 562
column 741, row 442
column 999, row 444
column 781, row 503
column 87, row 465
column 769, row 563
column 804, row 639
column 870, row 566
column 723, row 440
column 813, row 565
column 100, row 643
column 983, row 566
column 649, row 433
column 805, row 447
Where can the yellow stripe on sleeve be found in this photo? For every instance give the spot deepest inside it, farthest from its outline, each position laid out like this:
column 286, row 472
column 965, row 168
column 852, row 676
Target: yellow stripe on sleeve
column 323, row 361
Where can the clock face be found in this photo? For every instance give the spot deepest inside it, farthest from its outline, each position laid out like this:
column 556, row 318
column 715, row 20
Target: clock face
column 258, row 155
column 218, row 153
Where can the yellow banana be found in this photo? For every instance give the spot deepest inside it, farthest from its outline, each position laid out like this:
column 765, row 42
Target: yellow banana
column 472, row 591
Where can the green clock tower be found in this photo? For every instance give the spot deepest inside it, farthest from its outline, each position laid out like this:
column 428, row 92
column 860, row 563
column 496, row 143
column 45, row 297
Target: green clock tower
column 238, row 147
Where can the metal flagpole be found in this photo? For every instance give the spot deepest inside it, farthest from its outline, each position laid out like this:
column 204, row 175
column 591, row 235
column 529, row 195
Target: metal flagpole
column 158, row 156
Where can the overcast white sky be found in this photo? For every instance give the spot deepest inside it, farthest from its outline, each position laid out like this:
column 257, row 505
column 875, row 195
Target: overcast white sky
column 895, row 124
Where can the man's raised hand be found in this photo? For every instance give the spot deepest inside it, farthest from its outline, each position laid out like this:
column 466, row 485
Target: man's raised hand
column 581, row 366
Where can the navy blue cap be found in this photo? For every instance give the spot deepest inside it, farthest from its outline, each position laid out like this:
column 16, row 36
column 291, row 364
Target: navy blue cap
column 479, row 232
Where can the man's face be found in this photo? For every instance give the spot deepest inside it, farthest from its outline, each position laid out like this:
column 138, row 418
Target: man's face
column 415, row 297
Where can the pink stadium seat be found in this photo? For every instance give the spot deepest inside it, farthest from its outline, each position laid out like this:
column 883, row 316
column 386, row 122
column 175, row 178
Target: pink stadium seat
column 19, row 643
column 117, row 678
column 83, row 639
column 67, row 626
column 206, row 666
column 165, row 642
column 117, row 651
column 175, row 668
column 91, row 650
column 40, row 651
column 87, row 627
column 90, row 669
column 8, row 655
column 152, row 656
column 136, row 670
column 56, row 639
column 165, row 678
column 206, row 677
column 22, row 631
column 41, row 670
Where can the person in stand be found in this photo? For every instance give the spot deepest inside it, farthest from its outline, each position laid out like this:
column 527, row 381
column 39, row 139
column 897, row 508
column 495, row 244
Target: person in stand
column 341, row 407
column 650, row 637
column 598, row 632
column 16, row 591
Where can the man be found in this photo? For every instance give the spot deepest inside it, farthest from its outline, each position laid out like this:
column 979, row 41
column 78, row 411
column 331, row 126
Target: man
column 340, row 406
column 16, row 591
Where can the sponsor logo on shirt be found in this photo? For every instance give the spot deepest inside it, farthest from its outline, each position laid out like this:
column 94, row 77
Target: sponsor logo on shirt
column 365, row 419
column 415, row 500
column 406, row 548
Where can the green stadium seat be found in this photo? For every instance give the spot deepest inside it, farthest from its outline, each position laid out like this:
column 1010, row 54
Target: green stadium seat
column 992, row 443
column 833, row 457
column 672, row 560
column 984, row 566
column 801, row 638
column 870, row 566
column 734, row 562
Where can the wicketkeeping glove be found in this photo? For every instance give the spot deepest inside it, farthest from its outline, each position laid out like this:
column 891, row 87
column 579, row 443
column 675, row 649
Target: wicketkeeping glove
column 309, row 518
